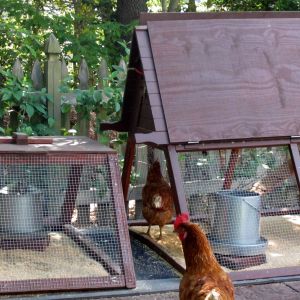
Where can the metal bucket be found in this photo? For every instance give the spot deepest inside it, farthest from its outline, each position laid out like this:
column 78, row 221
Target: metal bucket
column 21, row 212
column 237, row 217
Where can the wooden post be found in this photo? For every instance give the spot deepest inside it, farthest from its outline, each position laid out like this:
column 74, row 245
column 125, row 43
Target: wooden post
column 83, row 76
column 102, row 73
column 53, row 79
column 128, row 162
column 65, row 118
column 18, row 72
column 176, row 179
column 37, row 76
column 18, row 69
column 234, row 156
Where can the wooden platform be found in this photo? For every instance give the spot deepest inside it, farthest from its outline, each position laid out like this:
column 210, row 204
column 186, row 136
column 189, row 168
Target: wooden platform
column 273, row 291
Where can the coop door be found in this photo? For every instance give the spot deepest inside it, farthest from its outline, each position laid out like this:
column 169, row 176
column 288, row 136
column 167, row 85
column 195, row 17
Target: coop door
column 62, row 223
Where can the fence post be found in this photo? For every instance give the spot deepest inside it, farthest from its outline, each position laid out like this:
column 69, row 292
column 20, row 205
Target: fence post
column 83, row 76
column 65, row 117
column 53, row 76
column 17, row 70
column 37, row 76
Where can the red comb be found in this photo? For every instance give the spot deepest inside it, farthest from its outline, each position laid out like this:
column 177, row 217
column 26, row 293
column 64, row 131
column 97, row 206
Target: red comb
column 183, row 218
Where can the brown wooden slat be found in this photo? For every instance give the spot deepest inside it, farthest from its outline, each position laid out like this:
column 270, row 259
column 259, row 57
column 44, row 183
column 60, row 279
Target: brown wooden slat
column 175, row 179
column 253, row 93
column 70, row 144
column 59, row 284
column 157, row 138
column 128, row 162
column 234, row 156
column 295, row 156
column 31, row 140
column 234, row 144
column 147, row 63
column 143, row 44
column 267, row 273
column 78, row 237
column 121, row 219
column 154, row 99
column 146, row 17
column 150, row 75
column 160, row 124
column 152, row 87
column 280, row 211
column 71, row 194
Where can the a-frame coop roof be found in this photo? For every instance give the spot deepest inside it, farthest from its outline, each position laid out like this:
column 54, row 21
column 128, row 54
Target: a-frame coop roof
column 214, row 77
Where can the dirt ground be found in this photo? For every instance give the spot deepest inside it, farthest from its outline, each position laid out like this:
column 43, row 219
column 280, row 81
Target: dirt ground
column 281, row 232
column 61, row 259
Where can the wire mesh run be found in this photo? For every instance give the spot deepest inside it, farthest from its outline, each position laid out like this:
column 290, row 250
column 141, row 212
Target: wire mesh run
column 248, row 203
column 144, row 156
column 61, row 223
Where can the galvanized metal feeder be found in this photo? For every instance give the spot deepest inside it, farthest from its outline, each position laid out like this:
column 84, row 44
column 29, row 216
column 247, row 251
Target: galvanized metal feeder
column 55, row 231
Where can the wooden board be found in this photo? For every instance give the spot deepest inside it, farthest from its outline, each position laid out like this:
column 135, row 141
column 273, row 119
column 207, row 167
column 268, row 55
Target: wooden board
column 228, row 78
column 60, row 144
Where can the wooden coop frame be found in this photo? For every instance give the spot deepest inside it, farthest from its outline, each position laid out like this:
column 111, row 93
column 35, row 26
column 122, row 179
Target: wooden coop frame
column 187, row 71
column 75, row 152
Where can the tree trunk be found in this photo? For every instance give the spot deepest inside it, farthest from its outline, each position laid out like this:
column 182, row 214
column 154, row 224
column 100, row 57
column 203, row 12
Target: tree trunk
column 164, row 5
column 128, row 11
column 191, row 6
column 173, row 5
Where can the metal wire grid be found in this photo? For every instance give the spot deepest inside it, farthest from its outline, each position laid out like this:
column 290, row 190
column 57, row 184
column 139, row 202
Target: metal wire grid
column 245, row 222
column 58, row 221
column 144, row 155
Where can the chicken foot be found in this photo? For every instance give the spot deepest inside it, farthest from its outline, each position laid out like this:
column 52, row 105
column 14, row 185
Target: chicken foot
column 148, row 231
column 160, row 233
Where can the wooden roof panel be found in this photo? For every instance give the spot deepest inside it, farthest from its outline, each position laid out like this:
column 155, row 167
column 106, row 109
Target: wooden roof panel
column 228, row 78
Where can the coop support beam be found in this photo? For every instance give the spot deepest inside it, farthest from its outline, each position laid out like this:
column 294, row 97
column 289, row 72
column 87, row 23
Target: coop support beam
column 233, row 144
column 294, row 151
column 128, row 162
column 176, row 179
column 130, row 280
column 71, row 194
column 234, row 156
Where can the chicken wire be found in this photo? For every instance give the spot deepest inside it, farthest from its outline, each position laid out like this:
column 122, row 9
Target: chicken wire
column 60, row 223
column 144, row 156
column 246, row 224
column 263, row 234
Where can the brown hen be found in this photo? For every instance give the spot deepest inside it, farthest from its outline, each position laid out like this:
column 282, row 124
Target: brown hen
column 157, row 199
column 204, row 278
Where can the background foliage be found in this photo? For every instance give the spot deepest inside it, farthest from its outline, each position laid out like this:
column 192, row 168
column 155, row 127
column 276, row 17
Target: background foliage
column 93, row 29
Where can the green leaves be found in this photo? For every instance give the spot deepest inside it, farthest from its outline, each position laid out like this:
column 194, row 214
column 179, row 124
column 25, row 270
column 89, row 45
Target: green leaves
column 29, row 110
column 51, row 122
column 29, row 107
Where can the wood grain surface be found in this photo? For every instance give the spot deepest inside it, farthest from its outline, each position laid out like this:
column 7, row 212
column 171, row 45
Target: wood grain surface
column 228, row 79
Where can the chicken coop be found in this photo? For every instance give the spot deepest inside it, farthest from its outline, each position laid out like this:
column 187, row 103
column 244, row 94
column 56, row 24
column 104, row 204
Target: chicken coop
column 62, row 217
column 215, row 97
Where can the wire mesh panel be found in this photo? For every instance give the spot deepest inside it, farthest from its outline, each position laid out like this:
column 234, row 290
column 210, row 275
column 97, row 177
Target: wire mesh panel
column 247, row 201
column 62, row 223
column 144, row 156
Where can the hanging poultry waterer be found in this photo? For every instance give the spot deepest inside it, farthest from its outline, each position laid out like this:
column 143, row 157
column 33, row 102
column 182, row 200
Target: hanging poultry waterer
column 21, row 210
column 236, row 226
